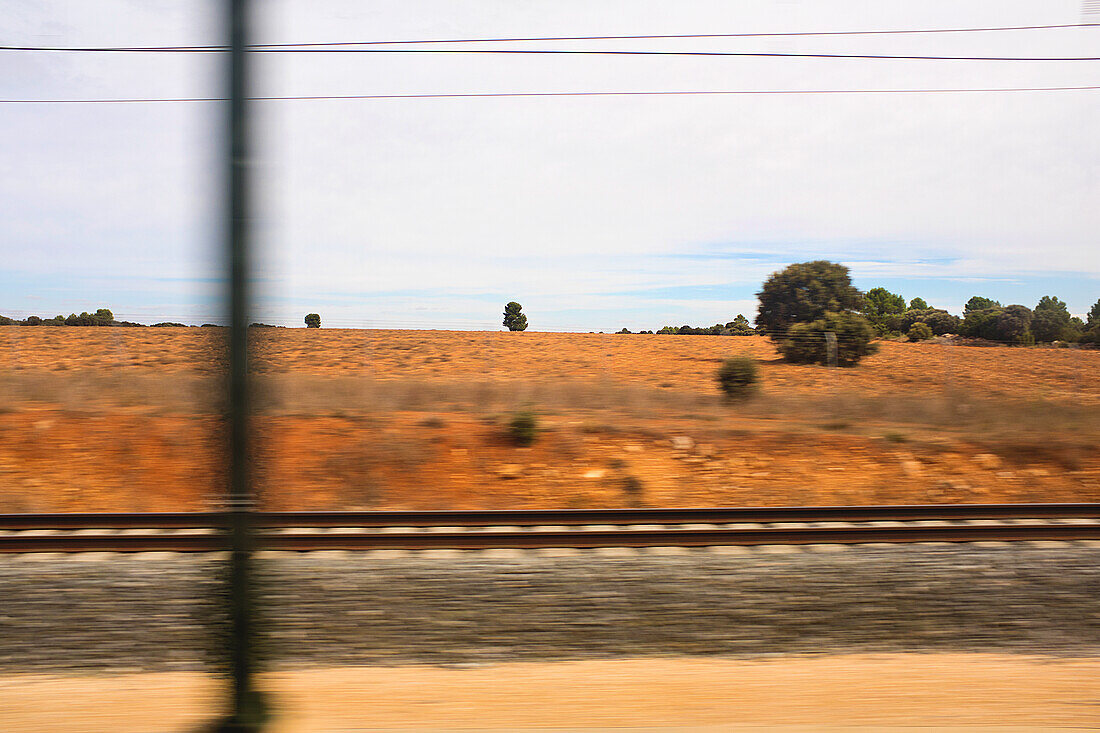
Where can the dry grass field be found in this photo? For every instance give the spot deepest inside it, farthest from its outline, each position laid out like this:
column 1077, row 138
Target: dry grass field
column 126, row 419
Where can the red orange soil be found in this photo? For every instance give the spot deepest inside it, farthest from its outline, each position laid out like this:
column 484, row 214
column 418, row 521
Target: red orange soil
column 120, row 419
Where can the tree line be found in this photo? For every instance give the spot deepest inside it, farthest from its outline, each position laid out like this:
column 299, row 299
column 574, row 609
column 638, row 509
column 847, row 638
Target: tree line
column 102, row 317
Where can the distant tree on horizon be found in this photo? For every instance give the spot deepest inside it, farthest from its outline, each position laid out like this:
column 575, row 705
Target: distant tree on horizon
column 313, row 320
column 514, row 320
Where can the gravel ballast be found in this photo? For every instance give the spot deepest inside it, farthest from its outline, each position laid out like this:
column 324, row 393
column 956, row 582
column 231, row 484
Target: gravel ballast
column 155, row 612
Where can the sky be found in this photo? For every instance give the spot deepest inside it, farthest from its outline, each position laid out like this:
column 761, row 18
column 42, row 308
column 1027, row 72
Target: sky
column 595, row 213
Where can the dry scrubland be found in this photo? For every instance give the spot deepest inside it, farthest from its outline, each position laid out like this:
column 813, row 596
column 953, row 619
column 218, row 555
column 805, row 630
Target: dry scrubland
column 111, row 418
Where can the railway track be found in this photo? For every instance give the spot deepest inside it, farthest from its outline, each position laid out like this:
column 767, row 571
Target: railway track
column 532, row 529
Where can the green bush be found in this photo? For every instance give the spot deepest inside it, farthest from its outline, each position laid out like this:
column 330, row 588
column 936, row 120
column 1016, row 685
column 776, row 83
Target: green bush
column 940, row 321
column 805, row 343
column 919, row 332
column 313, row 320
column 738, row 377
column 523, row 428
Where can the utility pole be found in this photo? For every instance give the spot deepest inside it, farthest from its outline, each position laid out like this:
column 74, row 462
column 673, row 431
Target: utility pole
column 248, row 709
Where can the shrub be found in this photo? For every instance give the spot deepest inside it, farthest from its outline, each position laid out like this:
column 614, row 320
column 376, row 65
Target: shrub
column 634, row 490
column 32, row 321
column 624, row 330
column 805, row 343
column 313, row 321
column 523, row 428
column 940, row 321
column 919, row 332
column 6, row 321
column 738, row 377
column 103, row 317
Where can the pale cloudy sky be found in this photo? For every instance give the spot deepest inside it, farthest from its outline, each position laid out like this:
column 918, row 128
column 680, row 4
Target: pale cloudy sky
column 594, row 212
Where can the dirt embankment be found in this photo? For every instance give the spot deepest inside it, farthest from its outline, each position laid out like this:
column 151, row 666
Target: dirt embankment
column 126, row 419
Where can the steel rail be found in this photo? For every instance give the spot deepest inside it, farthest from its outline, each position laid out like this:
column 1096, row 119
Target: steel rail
column 567, row 517
column 688, row 537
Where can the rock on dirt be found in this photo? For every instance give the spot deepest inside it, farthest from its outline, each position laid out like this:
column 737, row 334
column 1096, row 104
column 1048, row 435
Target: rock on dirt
column 988, row 461
column 682, row 442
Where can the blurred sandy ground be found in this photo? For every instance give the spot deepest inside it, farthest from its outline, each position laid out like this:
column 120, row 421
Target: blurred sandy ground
column 942, row 692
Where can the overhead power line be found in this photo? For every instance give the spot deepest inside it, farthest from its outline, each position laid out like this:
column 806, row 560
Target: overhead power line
column 484, row 95
column 521, row 39
column 588, row 52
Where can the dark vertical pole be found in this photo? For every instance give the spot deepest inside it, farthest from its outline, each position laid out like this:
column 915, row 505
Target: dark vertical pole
column 248, row 708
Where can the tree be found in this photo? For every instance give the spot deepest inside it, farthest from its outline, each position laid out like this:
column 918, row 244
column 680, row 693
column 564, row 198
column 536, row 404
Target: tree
column 1051, row 303
column 980, row 323
column 313, row 320
column 802, row 303
column 804, row 292
column 740, row 326
column 1014, row 324
column 32, row 321
column 1011, row 324
column 1051, row 320
column 918, row 304
column 806, row 343
column 1094, row 315
column 881, row 302
column 978, row 303
column 883, row 309
column 103, row 317
column 513, row 319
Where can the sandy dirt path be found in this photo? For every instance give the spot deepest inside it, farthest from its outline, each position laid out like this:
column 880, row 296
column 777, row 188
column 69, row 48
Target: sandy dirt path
column 942, row 692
